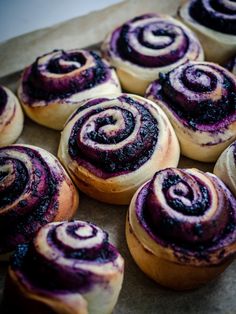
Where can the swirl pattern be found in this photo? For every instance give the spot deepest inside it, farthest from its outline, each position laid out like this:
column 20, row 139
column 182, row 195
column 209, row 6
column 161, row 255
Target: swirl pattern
column 199, row 99
column 214, row 22
column 60, row 80
column 11, row 117
column 147, row 45
column 219, row 15
column 73, row 265
column 225, row 167
column 186, row 217
column 110, row 146
column 34, row 190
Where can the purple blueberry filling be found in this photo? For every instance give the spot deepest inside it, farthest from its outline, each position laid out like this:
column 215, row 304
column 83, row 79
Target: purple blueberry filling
column 31, row 213
column 127, row 158
column 51, row 276
column 215, row 14
column 121, row 44
column 54, row 65
column 3, row 100
column 197, row 208
column 10, row 193
column 197, row 113
column 39, row 87
column 188, row 240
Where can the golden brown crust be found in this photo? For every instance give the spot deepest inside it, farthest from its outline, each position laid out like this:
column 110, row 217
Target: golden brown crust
column 169, row 274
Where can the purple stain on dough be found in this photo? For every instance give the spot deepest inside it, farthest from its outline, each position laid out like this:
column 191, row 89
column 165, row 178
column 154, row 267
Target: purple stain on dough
column 3, row 100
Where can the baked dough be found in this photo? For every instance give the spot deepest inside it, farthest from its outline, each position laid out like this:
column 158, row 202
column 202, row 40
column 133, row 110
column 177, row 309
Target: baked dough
column 214, row 23
column 111, row 145
column 199, row 99
column 225, row 167
column 148, row 45
column 35, row 189
column 69, row 268
column 58, row 82
column 180, row 228
column 11, row 117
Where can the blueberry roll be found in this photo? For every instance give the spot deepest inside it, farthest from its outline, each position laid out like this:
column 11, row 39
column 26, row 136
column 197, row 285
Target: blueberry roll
column 11, row 117
column 225, row 167
column 147, row 45
column 34, row 190
column 58, row 82
column 110, row 146
column 214, row 21
column 68, row 268
column 181, row 227
column 199, row 99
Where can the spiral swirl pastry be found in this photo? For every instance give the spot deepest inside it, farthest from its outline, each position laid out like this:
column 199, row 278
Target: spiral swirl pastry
column 180, row 224
column 58, row 82
column 70, row 267
column 34, row 190
column 199, row 99
column 110, row 146
column 231, row 65
column 11, row 117
column 225, row 167
column 215, row 24
column 147, row 45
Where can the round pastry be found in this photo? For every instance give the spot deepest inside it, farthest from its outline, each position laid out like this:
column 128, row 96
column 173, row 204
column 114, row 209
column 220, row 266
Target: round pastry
column 69, row 268
column 34, row 190
column 145, row 46
column 11, row 117
column 215, row 24
column 231, row 65
column 199, row 99
column 58, row 82
column 225, row 167
column 110, row 146
column 181, row 227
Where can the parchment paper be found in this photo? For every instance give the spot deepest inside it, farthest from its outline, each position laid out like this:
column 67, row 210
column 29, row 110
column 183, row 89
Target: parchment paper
column 139, row 294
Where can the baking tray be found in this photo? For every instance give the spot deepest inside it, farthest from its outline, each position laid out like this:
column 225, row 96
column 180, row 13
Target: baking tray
column 139, row 294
